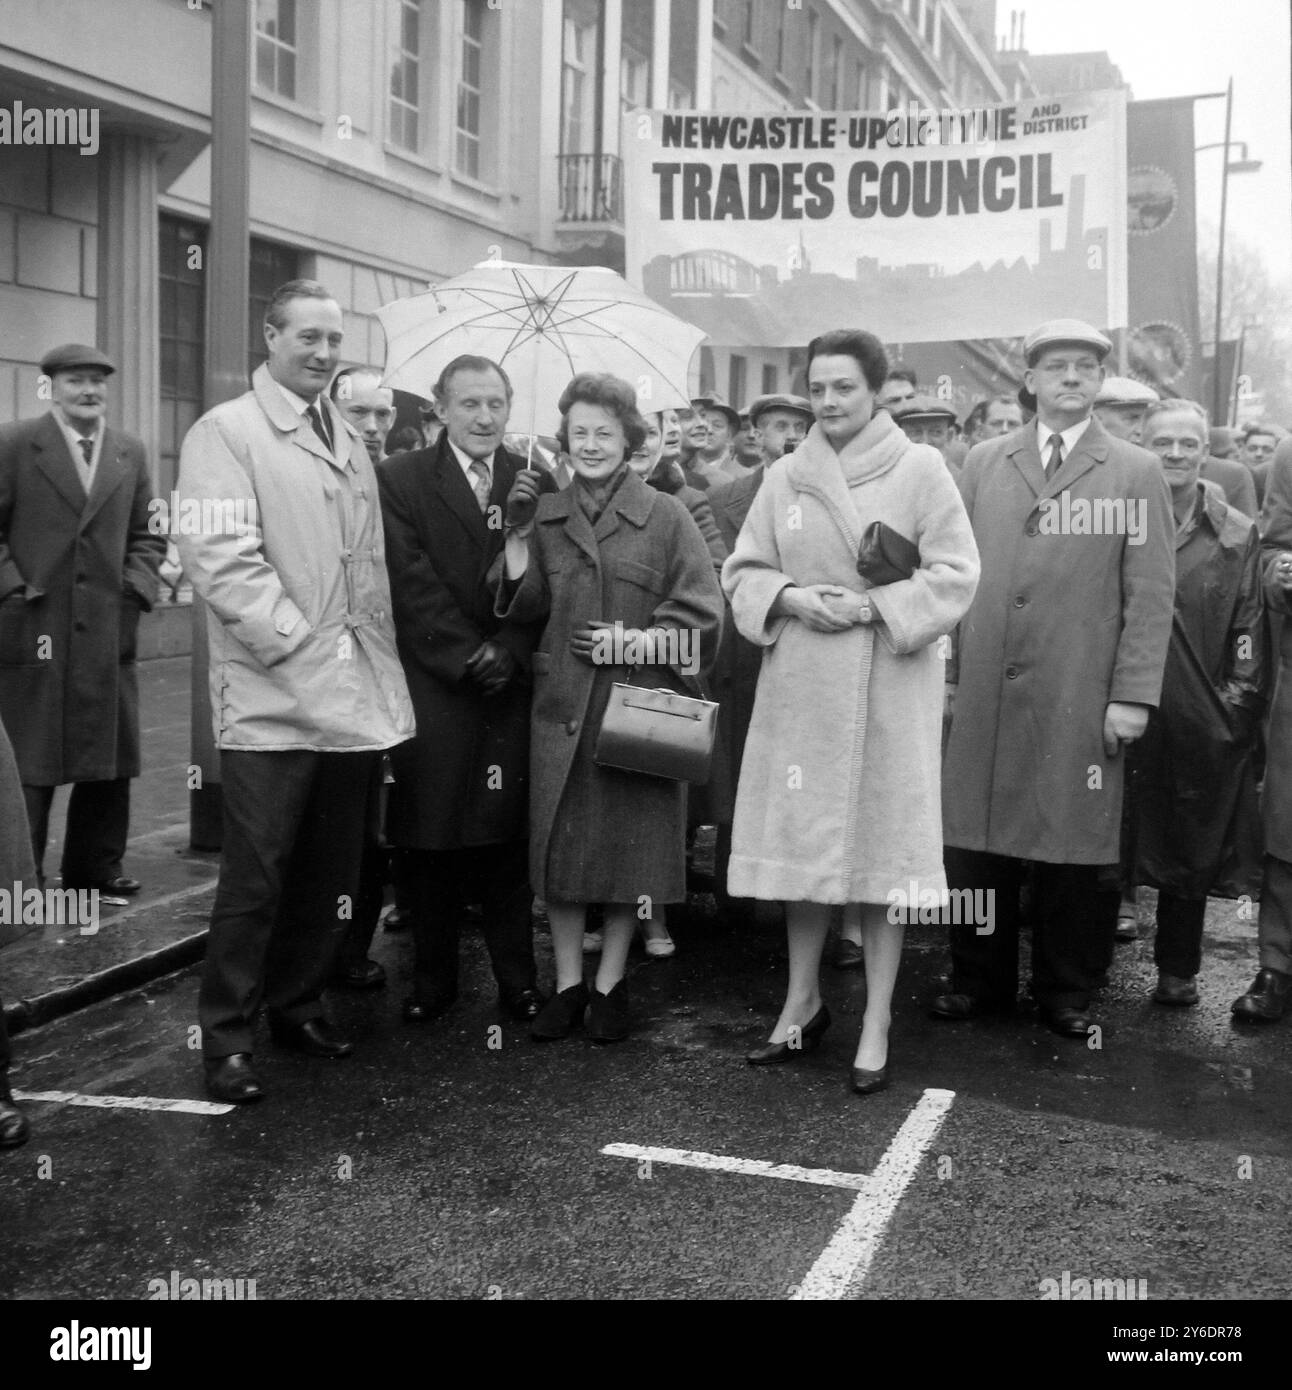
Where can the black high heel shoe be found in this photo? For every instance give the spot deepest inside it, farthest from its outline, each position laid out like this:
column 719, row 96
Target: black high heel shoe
column 809, row 1038
column 866, row 1083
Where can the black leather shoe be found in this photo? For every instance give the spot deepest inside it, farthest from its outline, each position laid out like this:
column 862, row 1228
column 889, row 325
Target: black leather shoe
column 425, row 1009
column 366, row 974
column 608, row 1019
column 314, row 1037
column 809, row 1037
column 398, row 919
column 955, row 1007
column 1067, row 1023
column 560, row 1014
column 14, row 1129
column 1175, row 989
column 1267, row 1000
column 848, row 955
column 232, row 1079
column 866, row 1083
column 522, row 1004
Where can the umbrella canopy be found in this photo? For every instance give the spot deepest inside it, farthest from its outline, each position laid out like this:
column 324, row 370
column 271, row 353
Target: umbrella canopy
column 544, row 324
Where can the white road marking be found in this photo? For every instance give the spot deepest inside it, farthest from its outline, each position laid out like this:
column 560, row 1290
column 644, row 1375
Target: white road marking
column 185, row 1107
column 846, row 1260
column 852, row 1248
column 754, row 1167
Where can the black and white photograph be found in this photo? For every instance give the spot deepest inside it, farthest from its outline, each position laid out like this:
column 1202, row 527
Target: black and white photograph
column 641, row 651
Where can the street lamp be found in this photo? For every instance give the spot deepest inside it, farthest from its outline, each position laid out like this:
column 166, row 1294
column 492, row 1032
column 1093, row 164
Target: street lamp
column 1238, row 166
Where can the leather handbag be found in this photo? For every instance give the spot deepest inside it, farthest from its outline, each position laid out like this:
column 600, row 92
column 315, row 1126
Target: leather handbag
column 658, row 733
column 886, row 555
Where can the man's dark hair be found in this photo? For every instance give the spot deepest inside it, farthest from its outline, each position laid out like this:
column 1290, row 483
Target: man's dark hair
column 467, row 362
column 276, row 309
column 900, row 373
column 865, row 349
column 610, row 393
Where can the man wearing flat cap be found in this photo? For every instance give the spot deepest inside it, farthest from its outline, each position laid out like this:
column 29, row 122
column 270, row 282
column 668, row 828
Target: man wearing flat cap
column 780, row 423
column 78, row 564
column 925, row 420
column 1060, row 661
column 1120, row 404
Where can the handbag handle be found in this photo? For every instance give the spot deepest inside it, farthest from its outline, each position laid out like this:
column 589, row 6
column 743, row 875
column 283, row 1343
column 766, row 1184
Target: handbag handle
column 676, row 713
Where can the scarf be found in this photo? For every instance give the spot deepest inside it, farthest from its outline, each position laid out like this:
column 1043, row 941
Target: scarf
column 594, row 497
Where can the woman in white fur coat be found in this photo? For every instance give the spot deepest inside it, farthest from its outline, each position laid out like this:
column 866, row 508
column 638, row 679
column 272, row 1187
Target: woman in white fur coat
column 839, row 794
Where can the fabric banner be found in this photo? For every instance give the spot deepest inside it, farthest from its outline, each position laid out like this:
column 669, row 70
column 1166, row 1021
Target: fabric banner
column 764, row 230
column 1163, row 344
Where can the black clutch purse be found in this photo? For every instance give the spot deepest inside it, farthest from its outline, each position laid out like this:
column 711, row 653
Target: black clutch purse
column 886, row 555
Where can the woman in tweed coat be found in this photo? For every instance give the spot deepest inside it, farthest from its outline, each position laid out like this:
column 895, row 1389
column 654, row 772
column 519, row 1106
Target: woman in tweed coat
column 606, row 550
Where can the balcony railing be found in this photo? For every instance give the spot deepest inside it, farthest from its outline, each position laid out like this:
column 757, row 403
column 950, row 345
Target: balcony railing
column 591, row 188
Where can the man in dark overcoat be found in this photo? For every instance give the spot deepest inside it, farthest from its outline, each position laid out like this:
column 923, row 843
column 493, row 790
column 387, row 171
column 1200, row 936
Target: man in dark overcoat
column 79, row 555
column 1270, row 994
column 460, row 796
column 1060, row 660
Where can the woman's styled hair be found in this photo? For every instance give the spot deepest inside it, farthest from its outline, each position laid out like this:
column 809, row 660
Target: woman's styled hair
column 610, row 393
column 864, row 348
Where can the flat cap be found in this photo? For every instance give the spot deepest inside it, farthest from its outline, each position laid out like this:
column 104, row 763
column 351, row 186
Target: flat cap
column 1125, row 390
column 762, row 404
column 63, row 359
column 715, row 402
column 1064, row 331
column 921, row 408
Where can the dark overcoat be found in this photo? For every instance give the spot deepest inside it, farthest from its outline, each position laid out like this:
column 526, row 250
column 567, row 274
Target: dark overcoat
column 1276, row 540
column 83, row 569
column 735, row 673
column 464, row 779
column 1194, row 803
column 598, row 834
column 1065, row 621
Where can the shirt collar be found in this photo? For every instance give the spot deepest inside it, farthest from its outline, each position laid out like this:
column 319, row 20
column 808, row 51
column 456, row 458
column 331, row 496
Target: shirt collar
column 73, row 433
column 298, row 403
column 465, row 461
column 1070, row 436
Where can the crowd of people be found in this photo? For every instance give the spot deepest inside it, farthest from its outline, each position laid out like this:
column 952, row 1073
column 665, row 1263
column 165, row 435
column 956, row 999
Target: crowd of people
column 1018, row 667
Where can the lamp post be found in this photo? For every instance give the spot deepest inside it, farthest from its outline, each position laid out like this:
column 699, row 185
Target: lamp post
column 1239, row 166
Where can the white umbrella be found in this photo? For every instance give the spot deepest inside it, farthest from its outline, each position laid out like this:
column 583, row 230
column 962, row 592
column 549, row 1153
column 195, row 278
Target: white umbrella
column 543, row 324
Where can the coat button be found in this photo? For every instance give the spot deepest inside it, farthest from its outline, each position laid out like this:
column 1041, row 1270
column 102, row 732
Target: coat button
column 1019, row 601
column 572, row 726
column 80, row 627
column 1011, row 673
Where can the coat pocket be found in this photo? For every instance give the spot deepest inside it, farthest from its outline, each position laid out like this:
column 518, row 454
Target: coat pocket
column 643, row 576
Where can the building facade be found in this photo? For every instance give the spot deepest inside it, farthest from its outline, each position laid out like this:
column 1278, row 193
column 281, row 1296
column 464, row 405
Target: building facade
column 394, row 143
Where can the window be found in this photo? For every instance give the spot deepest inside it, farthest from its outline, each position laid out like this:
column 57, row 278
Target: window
column 270, row 266
column 276, row 46
column 770, row 382
column 406, row 75
column 636, row 43
column 467, row 150
column 182, row 336
column 836, row 75
column 578, row 78
column 736, row 380
column 813, row 53
column 863, row 87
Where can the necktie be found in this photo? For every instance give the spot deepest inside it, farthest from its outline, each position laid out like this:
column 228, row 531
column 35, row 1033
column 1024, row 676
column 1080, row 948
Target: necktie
column 318, row 425
column 1056, row 457
column 87, row 453
column 480, row 485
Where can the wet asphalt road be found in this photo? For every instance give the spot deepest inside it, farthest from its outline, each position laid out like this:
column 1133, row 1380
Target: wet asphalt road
column 433, row 1164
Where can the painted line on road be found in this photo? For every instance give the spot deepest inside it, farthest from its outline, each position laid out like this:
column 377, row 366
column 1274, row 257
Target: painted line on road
column 852, row 1248
column 752, row 1167
column 184, row 1107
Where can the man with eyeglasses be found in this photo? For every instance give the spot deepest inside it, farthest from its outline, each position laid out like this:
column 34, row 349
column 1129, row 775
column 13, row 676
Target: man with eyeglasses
column 1060, row 661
